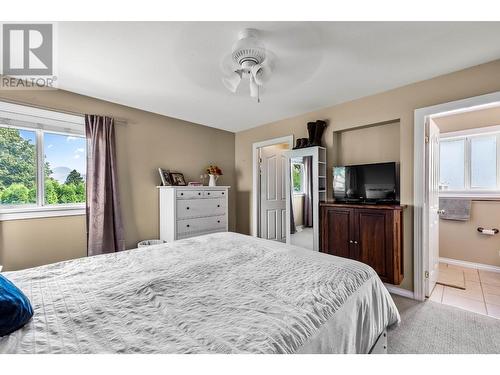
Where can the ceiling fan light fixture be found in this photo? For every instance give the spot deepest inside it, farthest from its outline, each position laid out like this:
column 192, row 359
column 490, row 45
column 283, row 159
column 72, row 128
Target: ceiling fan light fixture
column 232, row 81
column 248, row 59
column 261, row 74
column 254, row 88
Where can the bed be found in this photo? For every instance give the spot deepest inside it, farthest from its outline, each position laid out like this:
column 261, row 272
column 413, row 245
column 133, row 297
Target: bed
column 217, row 293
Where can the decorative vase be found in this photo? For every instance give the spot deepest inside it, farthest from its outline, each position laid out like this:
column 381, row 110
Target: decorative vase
column 213, row 180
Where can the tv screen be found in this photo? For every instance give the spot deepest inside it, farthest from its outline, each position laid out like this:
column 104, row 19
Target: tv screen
column 367, row 183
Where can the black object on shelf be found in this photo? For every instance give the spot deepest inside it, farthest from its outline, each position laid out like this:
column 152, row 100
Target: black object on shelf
column 315, row 130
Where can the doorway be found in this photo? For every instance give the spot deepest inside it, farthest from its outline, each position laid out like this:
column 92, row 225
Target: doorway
column 269, row 188
column 429, row 188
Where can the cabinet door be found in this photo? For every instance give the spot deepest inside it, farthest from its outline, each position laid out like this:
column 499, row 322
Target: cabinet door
column 373, row 240
column 336, row 227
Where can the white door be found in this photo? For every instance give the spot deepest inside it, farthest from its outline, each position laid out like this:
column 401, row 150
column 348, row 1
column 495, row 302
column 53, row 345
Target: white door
column 273, row 193
column 432, row 204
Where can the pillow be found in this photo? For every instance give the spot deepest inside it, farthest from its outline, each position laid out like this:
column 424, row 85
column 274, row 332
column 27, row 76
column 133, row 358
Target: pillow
column 15, row 308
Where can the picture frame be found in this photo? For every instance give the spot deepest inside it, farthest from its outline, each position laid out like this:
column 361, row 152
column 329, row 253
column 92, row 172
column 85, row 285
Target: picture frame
column 166, row 179
column 177, row 179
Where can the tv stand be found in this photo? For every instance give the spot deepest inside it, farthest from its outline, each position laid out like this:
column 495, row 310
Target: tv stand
column 369, row 233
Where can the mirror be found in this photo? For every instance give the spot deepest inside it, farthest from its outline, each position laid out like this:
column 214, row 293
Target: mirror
column 301, row 202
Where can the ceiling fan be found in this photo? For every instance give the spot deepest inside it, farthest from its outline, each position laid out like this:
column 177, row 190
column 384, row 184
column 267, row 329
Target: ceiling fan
column 249, row 60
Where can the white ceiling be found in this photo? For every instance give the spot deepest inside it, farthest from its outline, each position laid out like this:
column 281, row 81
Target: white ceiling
column 173, row 68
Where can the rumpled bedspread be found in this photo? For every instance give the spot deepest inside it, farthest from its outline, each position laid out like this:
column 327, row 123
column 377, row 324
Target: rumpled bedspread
column 219, row 293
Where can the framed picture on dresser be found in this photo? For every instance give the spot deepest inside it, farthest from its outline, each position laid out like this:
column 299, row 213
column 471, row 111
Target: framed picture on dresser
column 166, row 179
column 177, row 179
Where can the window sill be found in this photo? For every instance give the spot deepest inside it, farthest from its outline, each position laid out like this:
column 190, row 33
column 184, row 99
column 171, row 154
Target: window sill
column 493, row 195
column 40, row 212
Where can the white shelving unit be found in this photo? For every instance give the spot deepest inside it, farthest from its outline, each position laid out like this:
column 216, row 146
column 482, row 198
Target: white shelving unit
column 319, row 187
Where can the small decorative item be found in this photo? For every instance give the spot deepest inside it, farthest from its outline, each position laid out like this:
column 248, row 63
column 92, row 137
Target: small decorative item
column 214, row 173
column 166, row 180
column 177, row 179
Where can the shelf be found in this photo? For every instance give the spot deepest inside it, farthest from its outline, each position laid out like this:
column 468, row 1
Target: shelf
column 322, row 176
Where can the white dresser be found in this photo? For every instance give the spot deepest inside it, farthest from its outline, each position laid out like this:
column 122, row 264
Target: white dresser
column 188, row 211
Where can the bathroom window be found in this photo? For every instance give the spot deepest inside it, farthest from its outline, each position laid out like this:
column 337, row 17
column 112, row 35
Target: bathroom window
column 469, row 163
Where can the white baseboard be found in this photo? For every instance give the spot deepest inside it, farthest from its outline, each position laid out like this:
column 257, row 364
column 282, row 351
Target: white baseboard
column 463, row 263
column 399, row 291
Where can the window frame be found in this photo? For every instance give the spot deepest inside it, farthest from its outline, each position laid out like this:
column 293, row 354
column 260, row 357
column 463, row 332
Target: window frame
column 40, row 121
column 467, row 136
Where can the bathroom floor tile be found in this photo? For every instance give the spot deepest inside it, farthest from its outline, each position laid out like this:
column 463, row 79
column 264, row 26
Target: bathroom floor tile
column 443, row 266
column 437, row 293
column 491, row 278
column 464, row 303
column 492, row 299
column 472, row 291
column 493, row 310
column 491, row 289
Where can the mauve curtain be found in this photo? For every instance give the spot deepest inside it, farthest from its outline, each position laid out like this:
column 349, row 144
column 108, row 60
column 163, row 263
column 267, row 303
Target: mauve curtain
column 104, row 222
column 308, row 192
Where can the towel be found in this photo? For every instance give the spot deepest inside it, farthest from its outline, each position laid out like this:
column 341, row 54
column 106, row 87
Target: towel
column 455, row 209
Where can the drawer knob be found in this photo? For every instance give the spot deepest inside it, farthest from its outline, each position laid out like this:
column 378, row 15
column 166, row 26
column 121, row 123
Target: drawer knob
column 356, row 242
column 218, row 221
column 222, row 193
column 187, row 208
column 199, row 193
column 218, row 205
column 182, row 193
column 208, row 193
column 187, row 225
column 350, row 241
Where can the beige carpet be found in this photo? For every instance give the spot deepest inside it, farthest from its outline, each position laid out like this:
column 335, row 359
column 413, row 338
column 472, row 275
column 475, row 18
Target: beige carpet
column 432, row 328
column 451, row 277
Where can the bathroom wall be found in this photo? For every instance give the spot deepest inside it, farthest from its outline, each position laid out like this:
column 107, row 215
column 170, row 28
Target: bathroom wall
column 461, row 240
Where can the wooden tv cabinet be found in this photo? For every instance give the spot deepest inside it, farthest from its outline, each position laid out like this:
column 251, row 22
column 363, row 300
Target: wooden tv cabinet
column 372, row 234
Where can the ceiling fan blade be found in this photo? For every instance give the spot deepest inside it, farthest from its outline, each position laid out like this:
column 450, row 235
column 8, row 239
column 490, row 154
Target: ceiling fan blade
column 232, row 81
column 227, row 65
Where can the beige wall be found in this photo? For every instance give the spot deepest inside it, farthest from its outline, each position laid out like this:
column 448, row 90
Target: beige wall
column 372, row 144
column 145, row 142
column 394, row 105
column 461, row 240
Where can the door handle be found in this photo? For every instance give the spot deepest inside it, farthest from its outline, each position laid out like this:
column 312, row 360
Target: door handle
column 441, row 212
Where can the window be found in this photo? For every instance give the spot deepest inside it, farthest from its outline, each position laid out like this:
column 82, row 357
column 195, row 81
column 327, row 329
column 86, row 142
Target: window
column 469, row 162
column 298, row 178
column 42, row 163
column 452, row 159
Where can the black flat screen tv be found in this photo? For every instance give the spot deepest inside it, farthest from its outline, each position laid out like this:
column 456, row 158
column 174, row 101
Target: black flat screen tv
column 367, row 183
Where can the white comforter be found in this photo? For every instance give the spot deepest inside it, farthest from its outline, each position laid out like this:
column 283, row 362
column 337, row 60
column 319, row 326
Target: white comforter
column 219, row 293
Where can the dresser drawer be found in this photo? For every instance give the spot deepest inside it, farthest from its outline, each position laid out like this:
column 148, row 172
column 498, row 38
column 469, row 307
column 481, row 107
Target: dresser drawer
column 215, row 194
column 189, row 194
column 191, row 208
column 202, row 224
